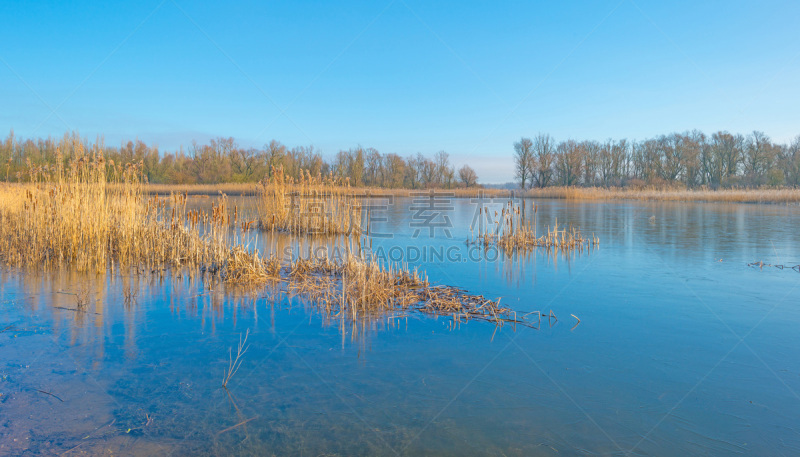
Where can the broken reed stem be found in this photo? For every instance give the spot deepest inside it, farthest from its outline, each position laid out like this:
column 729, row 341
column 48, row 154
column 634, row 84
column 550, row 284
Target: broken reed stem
column 235, row 363
column 761, row 265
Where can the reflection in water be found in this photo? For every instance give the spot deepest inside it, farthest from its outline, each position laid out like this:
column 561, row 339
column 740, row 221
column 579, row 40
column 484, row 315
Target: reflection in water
column 677, row 352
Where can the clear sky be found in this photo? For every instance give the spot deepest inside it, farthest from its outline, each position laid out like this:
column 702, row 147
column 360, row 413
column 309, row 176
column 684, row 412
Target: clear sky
column 402, row 76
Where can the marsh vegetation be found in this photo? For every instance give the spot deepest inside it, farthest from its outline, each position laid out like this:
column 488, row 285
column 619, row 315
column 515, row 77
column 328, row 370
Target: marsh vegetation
column 90, row 234
column 93, row 215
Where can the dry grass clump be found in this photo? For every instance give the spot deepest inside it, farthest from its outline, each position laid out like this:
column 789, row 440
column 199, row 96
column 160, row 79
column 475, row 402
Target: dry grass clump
column 356, row 288
column 511, row 233
column 244, row 267
column 312, row 205
column 779, row 195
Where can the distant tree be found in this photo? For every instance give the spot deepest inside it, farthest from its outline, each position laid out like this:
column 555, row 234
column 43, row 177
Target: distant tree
column 728, row 150
column 543, row 157
column 692, row 144
column 569, row 160
column 759, row 158
column 411, row 176
column 590, row 151
column 395, row 170
column 669, row 161
column 246, row 164
column 722, row 159
column 374, row 172
column 523, row 156
column 442, row 161
column 356, row 171
column 605, row 163
column 467, row 176
column 274, row 155
column 427, row 171
column 341, row 165
column 790, row 162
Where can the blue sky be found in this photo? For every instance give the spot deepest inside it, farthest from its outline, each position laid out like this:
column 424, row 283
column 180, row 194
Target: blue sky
column 402, row 76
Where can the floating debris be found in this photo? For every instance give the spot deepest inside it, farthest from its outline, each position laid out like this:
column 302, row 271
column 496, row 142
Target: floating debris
column 780, row 267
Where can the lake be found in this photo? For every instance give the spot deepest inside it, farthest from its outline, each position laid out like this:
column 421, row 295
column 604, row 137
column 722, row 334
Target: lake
column 681, row 348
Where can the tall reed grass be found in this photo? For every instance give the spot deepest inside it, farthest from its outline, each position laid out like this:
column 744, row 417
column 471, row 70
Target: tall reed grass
column 511, row 233
column 76, row 216
column 313, row 205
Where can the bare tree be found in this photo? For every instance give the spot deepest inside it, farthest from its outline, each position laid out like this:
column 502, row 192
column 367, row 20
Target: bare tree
column 591, row 159
column 605, row 163
column 373, row 175
column 759, row 158
column 544, row 155
column 442, row 175
column 395, row 170
column 569, row 161
column 728, row 151
column 275, row 153
column 467, row 176
column 669, row 160
column 523, row 153
column 692, row 144
column 790, row 162
column 426, row 171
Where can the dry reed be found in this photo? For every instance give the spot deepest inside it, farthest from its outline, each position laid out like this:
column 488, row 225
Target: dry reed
column 766, row 195
column 757, row 195
column 314, row 205
column 355, row 288
column 341, row 187
column 511, row 233
column 235, row 363
column 76, row 216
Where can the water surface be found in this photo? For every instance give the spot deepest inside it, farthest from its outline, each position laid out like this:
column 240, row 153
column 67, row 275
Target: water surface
column 681, row 349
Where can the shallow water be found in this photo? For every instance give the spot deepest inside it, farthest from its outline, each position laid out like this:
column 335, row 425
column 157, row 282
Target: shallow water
column 681, row 349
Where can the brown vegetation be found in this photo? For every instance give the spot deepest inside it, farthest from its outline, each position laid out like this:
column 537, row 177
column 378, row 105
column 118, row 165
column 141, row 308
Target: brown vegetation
column 778, row 195
column 312, row 204
column 72, row 217
column 222, row 160
column 512, row 233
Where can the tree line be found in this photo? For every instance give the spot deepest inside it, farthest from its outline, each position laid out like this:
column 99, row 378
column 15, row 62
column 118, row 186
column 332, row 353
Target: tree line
column 690, row 159
column 222, row 160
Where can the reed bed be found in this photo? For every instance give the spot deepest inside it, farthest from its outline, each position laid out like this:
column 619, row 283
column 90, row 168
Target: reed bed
column 313, row 205
column 776, row 195
column 765, row 195
column 71, row 216
column 512, row 233
column 75, row 216
column 256, row 189
column 250, row 189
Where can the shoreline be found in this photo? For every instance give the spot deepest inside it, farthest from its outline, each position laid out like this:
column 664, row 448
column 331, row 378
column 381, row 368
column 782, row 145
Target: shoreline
column 598, row 194
column 788, row 196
